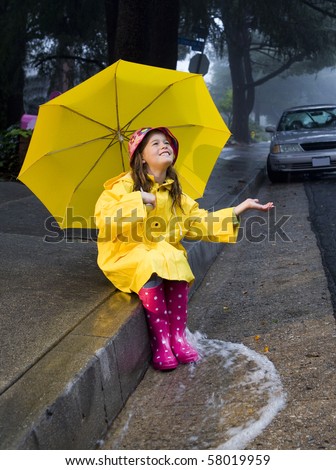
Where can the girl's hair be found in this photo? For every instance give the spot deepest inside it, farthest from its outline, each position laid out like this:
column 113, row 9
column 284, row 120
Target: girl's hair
column 139, row 173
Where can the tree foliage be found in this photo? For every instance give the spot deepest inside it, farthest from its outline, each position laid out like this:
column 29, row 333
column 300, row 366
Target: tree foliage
column 69, row 40
column 262, row 40
column 262, row 43
column 64, row 40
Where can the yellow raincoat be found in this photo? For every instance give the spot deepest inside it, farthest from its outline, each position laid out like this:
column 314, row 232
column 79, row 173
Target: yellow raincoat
column 135, row 242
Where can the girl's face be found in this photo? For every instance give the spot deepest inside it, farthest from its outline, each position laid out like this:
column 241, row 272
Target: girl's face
column 158, row 153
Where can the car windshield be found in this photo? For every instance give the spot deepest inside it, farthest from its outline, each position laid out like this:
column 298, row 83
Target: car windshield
column 307, row 119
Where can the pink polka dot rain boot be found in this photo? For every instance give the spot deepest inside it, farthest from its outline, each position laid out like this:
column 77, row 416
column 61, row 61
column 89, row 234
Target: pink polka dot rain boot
column 177, row 301
column 153, row 300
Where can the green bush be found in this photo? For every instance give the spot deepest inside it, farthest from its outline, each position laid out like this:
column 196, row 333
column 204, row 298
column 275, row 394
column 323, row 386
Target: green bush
column 13, row 146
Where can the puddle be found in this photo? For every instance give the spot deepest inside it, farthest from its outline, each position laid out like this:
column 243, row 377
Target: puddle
column 223, row 402
column 253, row 396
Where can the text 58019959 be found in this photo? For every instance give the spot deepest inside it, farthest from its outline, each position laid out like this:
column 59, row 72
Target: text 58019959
column 238, row 459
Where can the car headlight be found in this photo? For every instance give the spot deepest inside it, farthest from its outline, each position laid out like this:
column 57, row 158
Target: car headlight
column 286, row 148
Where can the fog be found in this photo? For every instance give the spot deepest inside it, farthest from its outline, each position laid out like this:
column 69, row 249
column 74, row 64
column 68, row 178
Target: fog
column 283, row 92
column 275, row 95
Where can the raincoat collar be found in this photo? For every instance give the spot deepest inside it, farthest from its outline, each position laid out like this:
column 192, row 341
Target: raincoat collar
column 127, row 177
column 167, row 183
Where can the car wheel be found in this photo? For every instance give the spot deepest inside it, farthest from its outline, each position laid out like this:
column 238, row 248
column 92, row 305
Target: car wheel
column 275, row 176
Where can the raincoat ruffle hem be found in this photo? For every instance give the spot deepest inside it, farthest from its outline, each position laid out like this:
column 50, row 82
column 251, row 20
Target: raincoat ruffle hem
column 135, row 242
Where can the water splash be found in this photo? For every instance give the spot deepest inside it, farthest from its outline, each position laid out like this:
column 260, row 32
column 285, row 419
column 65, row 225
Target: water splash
column 224, row 401
column 257, row 383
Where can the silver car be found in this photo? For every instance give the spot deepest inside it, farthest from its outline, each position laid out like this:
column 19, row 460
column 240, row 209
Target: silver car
column 303, row 142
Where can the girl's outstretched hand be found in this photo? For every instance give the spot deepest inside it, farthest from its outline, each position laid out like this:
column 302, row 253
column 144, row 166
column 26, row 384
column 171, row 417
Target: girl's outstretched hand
column 252, row 204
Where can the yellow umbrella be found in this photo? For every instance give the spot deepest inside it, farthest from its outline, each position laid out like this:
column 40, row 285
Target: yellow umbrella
column 80, row 138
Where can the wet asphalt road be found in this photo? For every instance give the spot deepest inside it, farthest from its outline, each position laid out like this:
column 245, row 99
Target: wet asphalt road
column 321, row 195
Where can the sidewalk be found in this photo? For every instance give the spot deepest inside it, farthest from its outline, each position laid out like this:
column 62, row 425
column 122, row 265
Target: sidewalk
column 74, row 349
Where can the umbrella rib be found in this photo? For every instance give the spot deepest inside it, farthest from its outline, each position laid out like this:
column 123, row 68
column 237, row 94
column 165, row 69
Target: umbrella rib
column 86, row 117
column 155, row 99
column 95, row 164
column 117, row 100
column 90, row 170
column 48, row 154
column 122, row 155
column 81, row 144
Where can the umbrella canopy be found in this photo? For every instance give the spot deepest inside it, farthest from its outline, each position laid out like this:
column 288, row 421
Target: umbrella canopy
column 80, row 138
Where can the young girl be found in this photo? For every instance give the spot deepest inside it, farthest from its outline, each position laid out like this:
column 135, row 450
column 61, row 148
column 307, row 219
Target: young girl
column 142, row 216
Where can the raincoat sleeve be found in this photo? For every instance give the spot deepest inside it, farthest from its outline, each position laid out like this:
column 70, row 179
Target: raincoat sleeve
column 118, row 212
column 219, row 226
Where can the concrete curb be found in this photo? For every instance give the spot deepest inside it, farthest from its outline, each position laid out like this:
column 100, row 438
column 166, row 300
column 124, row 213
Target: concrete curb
column 69, row 398
column 69, row 404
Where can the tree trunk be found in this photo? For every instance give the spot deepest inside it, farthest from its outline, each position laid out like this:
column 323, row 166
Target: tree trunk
column 131, row 42
column 238, row 43
column 146, row 32
column 163, row 46
column 111, row 17
column 11, row 64
column 240, row 111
